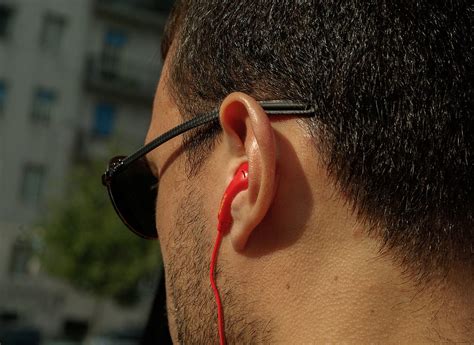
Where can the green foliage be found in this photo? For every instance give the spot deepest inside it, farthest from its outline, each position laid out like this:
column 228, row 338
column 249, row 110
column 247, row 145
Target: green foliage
column 85, row 243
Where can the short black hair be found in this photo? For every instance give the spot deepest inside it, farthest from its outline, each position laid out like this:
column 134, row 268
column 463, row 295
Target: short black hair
column 392, row 82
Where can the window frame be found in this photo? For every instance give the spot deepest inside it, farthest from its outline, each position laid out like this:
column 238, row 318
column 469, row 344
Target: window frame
column 5, row 31
column 111, row 112
column 42, row 109
column 52, row 23
column 4, row 88
column 39, row 170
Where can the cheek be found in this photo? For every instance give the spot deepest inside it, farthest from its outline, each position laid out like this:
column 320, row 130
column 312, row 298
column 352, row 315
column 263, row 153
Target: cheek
column 169, row 195
column 175, row 188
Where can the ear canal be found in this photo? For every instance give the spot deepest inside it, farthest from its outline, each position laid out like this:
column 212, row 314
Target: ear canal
column 239, row 183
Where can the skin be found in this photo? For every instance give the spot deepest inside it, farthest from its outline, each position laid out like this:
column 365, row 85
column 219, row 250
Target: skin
column 296, row 266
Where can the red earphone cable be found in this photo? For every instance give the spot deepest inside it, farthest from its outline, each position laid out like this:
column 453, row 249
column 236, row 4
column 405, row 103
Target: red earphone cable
column 220, row 311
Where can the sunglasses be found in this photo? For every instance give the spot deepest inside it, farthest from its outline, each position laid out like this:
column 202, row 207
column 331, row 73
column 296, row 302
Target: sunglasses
column 133, row 188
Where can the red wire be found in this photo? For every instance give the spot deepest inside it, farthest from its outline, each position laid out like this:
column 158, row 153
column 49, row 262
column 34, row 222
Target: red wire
column 220, row 312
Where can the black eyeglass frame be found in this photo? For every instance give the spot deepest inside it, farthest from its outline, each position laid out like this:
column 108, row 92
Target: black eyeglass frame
column 120, row 163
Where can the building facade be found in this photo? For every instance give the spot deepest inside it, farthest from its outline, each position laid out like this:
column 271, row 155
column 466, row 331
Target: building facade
column 74, row 76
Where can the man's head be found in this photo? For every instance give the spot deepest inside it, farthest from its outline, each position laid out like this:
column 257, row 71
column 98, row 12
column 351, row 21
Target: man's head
column 385, row 166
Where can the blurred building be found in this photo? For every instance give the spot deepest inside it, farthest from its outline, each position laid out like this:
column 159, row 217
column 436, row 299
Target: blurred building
column 73, row 75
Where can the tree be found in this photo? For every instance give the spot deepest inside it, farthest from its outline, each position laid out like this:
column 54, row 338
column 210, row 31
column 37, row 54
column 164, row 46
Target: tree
column 85, row 243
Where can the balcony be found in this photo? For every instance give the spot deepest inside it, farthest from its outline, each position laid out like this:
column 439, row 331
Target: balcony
column 126, row 80
column 147, row 14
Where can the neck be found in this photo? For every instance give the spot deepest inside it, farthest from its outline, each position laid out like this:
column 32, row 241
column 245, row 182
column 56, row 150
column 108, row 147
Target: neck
column 353, row 294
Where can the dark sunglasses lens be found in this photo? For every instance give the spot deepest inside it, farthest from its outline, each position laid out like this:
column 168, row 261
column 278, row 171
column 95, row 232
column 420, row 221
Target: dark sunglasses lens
column 133, row 192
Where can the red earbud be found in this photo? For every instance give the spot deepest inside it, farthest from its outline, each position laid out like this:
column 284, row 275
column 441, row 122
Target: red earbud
column 239, row 183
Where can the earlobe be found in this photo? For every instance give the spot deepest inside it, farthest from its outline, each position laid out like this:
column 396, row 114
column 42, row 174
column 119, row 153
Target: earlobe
column 249, row 136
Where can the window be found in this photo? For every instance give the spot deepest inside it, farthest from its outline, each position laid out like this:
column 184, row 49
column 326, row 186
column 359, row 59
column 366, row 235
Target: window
column 75, row 329
column 5, row 18
column 104, row 119
column 43, row 104
column 164, row 5
column 114, row 42
column 115, row 39
column 21, row 255
column 52, row 32
column 32, row 187
column 3, row 97
column 8, row 317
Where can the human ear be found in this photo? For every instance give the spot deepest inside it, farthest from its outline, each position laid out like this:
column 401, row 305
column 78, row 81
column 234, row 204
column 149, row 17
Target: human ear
column 248, row 136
